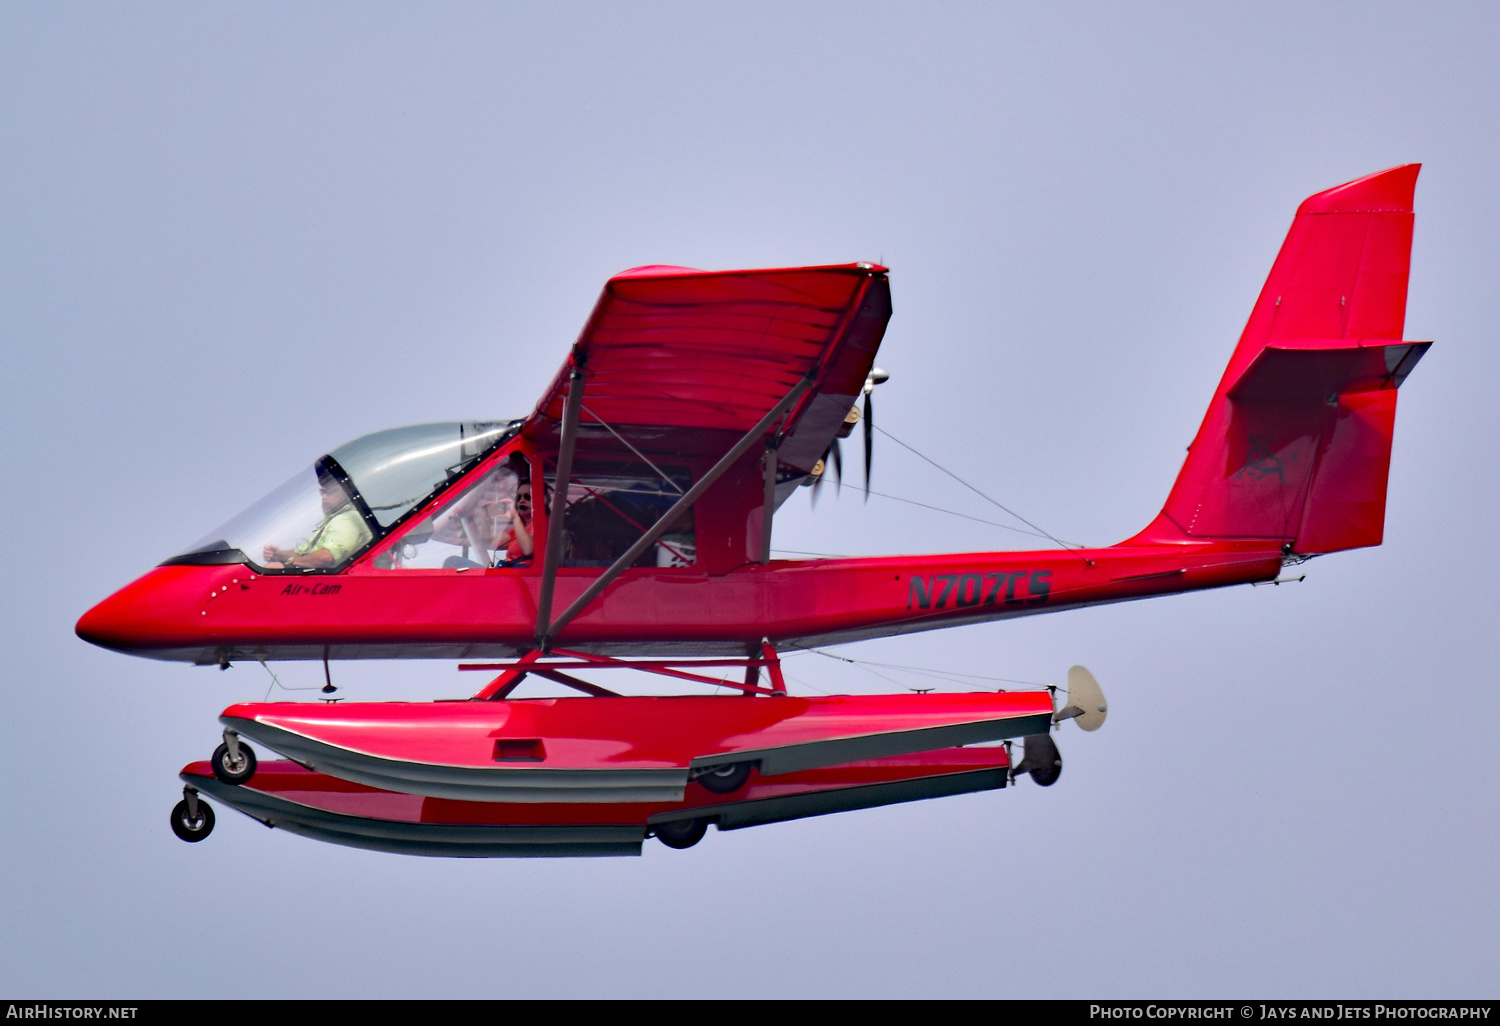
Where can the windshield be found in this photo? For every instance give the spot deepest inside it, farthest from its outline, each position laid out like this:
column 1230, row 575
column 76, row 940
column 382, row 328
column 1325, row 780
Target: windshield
column 394, row 470
column 487, row 522
column 329, row 513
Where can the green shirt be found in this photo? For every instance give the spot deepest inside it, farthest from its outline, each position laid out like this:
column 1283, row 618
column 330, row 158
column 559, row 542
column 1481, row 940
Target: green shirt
column 343, row 533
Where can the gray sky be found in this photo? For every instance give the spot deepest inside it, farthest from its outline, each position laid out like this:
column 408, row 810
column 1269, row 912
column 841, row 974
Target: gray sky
column 236, row 236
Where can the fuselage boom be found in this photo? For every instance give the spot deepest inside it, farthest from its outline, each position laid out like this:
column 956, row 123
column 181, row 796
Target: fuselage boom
column 213, row 614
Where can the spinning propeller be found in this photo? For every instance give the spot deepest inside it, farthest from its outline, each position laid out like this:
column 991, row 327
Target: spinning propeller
column 833, row 456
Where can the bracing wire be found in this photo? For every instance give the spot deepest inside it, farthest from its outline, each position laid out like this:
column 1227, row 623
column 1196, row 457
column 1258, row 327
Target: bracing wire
column 624, row 442
column 802, row 683
column 994, row 502
column 951, row 676
column 977, row 520
column 276, row 682
column 877, row 673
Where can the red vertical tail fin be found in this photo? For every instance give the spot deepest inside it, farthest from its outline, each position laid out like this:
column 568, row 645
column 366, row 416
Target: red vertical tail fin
column 1296, row 445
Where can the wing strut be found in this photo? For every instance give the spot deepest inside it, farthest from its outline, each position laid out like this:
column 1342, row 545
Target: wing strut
column 559, row 498
column 554, row 526
column 770, row 500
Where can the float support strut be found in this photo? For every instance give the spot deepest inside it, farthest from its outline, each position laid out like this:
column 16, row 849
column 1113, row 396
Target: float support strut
column 773, row 667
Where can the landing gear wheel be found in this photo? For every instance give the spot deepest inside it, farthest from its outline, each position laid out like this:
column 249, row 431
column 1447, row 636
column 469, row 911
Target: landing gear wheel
column 188, row 827
column 681, row 833
column 233, row 771
column 725, row 779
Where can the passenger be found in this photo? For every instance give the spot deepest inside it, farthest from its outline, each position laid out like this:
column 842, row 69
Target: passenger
column 484, row 520
column 516, row 541
column 468, row 521
column 341, row 533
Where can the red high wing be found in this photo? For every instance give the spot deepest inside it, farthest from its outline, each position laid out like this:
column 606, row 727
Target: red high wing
column 671, row 347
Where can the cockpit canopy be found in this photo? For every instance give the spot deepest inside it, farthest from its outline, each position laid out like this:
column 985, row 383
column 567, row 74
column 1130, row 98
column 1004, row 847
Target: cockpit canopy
column 350, row 497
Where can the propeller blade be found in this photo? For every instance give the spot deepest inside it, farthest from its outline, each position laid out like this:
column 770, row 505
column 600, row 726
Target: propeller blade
column 869, row 419
column 838, row 466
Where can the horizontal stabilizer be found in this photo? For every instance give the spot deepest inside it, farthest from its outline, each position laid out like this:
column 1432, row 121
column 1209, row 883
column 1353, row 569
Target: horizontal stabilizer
column 1301, row 373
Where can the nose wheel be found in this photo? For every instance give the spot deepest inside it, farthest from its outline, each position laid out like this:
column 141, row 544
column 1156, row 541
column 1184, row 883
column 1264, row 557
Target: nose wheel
column 233, row 761
column 192, row 818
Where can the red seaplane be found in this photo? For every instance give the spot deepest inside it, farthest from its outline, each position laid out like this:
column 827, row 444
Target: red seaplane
column 626, row 524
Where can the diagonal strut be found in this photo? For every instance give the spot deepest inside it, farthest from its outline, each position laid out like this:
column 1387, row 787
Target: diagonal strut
column 544, row 635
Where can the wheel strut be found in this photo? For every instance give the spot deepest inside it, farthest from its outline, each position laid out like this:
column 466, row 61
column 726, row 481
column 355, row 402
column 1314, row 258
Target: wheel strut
column 233, row 761
column 192, row 818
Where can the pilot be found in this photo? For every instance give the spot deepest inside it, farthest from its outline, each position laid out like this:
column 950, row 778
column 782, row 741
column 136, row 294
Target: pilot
column 341, row 533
